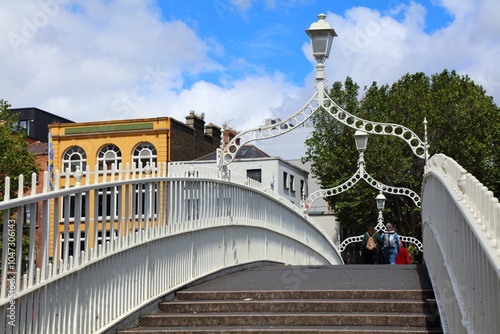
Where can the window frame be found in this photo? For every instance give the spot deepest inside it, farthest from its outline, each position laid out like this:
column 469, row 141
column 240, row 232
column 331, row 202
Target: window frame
column 67, row 161
column 144, row 147
column 103, row 160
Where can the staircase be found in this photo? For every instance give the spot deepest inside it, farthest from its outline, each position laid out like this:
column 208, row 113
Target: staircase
column 290, row 299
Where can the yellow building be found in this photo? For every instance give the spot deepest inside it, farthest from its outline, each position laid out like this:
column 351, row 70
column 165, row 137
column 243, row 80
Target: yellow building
column 100, row 145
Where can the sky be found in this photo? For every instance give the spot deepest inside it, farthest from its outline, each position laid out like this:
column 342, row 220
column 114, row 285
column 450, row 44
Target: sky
column 237, row 62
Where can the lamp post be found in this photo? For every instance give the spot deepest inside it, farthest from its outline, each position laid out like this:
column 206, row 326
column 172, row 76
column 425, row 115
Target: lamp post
column 361, row 139
column 321, row 35
column 380, row 199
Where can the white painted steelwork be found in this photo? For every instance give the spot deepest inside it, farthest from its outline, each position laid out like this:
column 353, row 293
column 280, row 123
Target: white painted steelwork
column 164, row 232
column 362, row 174
column 320, row 100
column 461, row 234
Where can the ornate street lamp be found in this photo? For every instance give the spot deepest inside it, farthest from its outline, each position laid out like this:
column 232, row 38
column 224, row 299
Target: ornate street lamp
column 321, row 35
column 361, row 139
column 380, row 199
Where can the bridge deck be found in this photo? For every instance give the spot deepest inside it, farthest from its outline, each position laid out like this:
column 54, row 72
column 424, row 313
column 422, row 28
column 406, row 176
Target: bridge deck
column 341, row 277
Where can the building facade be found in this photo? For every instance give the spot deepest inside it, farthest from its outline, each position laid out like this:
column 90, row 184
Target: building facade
column 110, row 145
column 35, row 122
column 285, row 178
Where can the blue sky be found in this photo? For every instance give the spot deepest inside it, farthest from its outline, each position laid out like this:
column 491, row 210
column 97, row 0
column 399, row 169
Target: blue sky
column 270, row 34
column 236, row 61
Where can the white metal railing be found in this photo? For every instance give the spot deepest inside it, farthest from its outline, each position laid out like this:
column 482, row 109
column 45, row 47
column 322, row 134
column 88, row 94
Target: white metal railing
column 105, row 248
column 461, row 237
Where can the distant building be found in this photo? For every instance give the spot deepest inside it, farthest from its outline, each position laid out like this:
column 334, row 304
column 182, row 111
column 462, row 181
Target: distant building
column 106, row 144
column 286, row 179
column 291, row 147
column 33, row 213
column 36, row 122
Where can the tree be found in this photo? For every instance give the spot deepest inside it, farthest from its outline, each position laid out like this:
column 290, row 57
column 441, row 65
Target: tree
column 463, row 123
column 14, row 156
column 14, row 160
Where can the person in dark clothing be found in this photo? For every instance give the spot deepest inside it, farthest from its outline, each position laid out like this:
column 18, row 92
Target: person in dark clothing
column 371, row 248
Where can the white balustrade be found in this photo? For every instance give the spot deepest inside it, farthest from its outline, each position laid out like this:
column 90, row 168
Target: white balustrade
column 461, row 226
column 145, row 234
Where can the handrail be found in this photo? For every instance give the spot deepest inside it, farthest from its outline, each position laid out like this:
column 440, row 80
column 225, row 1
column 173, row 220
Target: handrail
column 461, row 247
column 177, row 228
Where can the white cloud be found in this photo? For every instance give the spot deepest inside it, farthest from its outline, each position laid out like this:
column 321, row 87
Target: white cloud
column 110, row 60
column 460, row 8
column 375, row 47
column 100, row 60
column 246, row 104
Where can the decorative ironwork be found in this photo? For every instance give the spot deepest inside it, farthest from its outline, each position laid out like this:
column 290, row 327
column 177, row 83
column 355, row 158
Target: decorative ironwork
column 418, row 146
column 361, row 174
column 380, row 228
column 321, row 98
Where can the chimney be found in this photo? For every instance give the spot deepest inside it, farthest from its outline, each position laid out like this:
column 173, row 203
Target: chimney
column 212, row 130
column 194, row 121
column 229, row 134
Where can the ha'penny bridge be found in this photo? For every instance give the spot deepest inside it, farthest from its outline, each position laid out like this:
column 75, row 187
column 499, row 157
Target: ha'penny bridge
column 189, row 249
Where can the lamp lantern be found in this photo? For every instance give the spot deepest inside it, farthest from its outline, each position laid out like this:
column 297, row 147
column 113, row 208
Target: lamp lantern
column 361, row 139
column 380, row 199
column 321, row 35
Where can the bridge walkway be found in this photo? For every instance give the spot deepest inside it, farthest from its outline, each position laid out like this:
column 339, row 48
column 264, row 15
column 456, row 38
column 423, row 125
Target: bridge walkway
column 300, row 299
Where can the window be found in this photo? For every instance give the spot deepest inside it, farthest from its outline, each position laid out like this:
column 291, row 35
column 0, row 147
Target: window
column 22, row 125
column 107, row 199
column 71, row 212
column 108, row 155
column 255, row 174
column 302, row 188
column 192, row 209
column 142, row 206
column 292, row 183
column 144, row 152
column 285, row 180
column 74, row 157
column 71, row 241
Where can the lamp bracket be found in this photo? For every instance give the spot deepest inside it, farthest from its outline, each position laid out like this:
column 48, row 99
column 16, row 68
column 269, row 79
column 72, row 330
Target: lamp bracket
column 269, row 131
column 320, row 97
column 359, row 238
column 362, row 174
column 418, row 146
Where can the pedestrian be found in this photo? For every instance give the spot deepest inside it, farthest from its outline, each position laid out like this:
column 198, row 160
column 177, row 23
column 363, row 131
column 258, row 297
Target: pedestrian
column 371, row 245
column 403, row 255
column 391, row 244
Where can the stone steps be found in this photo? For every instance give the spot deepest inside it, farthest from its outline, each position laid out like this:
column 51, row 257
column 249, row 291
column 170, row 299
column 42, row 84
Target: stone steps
column 223, row 307
column 297, row 329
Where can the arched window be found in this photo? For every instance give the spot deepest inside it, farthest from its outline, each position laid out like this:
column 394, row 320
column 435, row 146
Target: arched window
column 108, row 155
column 74, row 157
column 144, row 152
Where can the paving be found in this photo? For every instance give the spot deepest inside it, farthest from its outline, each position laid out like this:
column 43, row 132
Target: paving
column 276, row 298
column 340, row 277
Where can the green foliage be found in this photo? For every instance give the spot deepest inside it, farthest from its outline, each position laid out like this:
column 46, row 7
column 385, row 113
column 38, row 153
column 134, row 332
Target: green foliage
column 14, row 156
column 415, row 254
column 14, row 161
column 463, row 123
